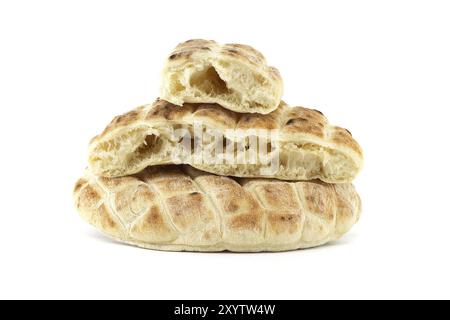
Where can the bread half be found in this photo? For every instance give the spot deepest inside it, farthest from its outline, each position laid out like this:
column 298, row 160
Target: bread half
column 179, row 208
column 235, row 76
column 291, row 143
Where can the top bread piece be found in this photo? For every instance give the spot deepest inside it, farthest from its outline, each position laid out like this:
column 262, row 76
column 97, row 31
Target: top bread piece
column 235, row 76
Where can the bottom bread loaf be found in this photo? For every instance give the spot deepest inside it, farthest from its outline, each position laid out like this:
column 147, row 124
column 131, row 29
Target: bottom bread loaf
column 179, row 208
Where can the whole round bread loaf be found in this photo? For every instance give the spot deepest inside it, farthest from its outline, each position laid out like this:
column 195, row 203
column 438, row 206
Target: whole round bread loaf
column 179, row 208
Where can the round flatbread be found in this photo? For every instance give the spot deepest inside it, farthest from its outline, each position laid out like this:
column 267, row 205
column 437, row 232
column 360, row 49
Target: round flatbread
column 179, row 208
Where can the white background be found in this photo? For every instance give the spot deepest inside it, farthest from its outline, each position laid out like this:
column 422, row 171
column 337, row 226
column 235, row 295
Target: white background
column 379, row 68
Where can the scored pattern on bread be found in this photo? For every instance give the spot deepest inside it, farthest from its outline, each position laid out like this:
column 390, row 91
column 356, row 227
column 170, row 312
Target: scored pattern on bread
column 308, row 146
column 235, row 76
column 181, row 208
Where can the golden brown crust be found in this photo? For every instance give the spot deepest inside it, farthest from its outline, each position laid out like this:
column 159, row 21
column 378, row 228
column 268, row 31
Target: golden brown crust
column 306, row 121
column 204, row 212
column 241, row 52
column 344, row 137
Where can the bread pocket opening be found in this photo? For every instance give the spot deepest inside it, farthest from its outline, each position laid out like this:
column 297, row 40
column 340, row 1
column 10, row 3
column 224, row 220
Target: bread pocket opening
column 152, row 144
column 176, row 86
column 209, row 81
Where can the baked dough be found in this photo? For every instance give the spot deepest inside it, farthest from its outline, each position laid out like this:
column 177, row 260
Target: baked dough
column 235, row 76
column 179, row 208
column 307, row 147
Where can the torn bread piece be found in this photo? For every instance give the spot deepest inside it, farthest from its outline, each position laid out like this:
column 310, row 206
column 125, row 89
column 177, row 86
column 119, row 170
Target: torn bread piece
column 179, row 208
column 299, row 143
column 235, row 76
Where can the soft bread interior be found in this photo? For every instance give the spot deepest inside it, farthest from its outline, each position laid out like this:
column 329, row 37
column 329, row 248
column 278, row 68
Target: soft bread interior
column 231, row 85
column 133, row 150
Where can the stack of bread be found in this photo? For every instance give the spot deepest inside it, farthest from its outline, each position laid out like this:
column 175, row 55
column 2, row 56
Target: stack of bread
column 296, row 193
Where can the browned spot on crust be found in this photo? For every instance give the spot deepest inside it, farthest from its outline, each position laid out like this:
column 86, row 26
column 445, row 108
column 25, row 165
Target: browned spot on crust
column 293, row 121
column 232, row 206
column 207, row 236
column 115, row 182
column 343, row 137
column 105, row 219
column 144, row 193
column 153, row 227
column 319, row 199
column 303, row 126
column 345, row 210
column 241, row 56
column 274, row 73
column 188, row 48
column 189, row 211
column 278, row 195
column 174, row 185
column 168, row 111
column 232, row 50
column 231, row 197
column 282, row 223
column 258, row 121
column 218, row 114
column 288, row 218
column 89, row 196
column 181, row 54
column 80, row 183
column 154, row 217
column 348, row 206
column 247, row 221
column 126, row 118
column 319, row 112
column 307, row 121
column 300, row 112
column 247, row 51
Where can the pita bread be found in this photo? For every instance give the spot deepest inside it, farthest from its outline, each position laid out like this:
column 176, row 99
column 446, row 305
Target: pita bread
column 307, row 147
column 179, row 208
column 235, row 76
